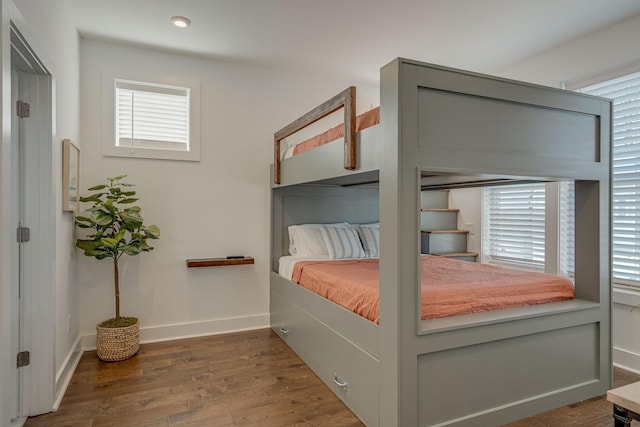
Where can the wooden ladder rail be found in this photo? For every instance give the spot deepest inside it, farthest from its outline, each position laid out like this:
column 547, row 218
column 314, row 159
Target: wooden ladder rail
column 345, row 99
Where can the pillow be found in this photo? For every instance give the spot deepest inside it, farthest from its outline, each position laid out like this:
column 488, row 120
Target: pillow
column 342, row 242
column 370, row 238
column 307, row 239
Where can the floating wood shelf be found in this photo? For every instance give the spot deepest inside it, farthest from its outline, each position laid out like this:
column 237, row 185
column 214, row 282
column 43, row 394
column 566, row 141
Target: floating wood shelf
column 218, row 262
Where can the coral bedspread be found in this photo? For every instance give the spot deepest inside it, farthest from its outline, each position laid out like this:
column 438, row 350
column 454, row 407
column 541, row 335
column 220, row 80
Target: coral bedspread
column 449, row 287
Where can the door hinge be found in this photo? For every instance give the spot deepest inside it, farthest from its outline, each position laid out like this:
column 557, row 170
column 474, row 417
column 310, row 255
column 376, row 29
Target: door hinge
column 23, row 359
column 24, row 234
column 22, row 109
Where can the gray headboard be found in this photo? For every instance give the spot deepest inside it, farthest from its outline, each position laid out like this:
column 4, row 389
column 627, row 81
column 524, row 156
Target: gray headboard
column 318, row 205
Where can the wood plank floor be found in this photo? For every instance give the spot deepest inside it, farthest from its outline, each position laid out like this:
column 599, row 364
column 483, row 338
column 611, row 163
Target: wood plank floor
column 248, row 379
column 241, row 379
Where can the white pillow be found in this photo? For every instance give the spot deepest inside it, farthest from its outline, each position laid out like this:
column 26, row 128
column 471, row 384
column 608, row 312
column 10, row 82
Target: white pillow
column 342, row 242
column 370, row 238
column 307, row 239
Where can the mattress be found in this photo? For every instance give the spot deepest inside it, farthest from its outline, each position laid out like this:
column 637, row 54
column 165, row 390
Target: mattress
column 363, row 121
column 449, row 287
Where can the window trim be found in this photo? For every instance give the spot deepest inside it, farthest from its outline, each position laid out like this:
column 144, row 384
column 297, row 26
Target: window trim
column 579, row 84
column 109, row 146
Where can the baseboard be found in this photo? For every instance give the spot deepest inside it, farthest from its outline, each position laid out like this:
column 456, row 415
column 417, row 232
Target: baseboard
column 63, row 377
column 18, row 422
column 177, row 331
column 626, row 360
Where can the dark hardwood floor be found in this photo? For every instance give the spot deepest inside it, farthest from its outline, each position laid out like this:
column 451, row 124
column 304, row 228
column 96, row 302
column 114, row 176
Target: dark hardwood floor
column 248, row 378
column 596, row 412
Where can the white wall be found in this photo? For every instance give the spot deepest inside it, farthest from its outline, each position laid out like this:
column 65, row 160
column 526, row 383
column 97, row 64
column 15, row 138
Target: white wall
column 212, row 208
column 469, row 201
column 581, row 58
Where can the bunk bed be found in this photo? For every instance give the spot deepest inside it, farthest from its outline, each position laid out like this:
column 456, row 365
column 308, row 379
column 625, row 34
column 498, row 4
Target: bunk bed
column 447, row 128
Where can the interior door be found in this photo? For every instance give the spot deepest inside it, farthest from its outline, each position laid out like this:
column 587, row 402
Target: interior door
column 17, row 215
column 33, row 254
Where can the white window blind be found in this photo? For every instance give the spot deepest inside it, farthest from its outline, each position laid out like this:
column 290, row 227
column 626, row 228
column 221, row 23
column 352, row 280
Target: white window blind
column 151, row 116
column 625, row 92
column 567, row 229
column 515, row 224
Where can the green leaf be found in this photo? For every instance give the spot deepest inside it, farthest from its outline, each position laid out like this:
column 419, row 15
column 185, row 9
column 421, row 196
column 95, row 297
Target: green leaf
column 126, row 201
column 83, row 222
column 109, row 242
column 131, row 219
column 120, row 234
column 101, row 256
column 131, row 250
column 93, row 198
column 98, row 187
column 102, row 218
column 116, row 178
column 151, row 232
column 85, row 244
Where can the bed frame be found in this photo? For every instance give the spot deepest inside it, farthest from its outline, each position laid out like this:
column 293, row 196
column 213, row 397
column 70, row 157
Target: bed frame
column 446, row 128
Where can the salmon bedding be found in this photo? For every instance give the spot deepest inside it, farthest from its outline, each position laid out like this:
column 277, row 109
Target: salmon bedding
column 449, row 287
column 363, row 121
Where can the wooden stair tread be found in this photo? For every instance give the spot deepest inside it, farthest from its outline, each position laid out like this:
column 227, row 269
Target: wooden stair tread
column 439, row 210
column 445, row 231
column 456, row 254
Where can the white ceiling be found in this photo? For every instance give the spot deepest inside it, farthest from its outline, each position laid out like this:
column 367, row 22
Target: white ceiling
column 353, row 37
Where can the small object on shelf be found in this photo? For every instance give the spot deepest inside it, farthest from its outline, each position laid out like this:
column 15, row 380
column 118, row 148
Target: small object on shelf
column 217, row 262
column 235, row 256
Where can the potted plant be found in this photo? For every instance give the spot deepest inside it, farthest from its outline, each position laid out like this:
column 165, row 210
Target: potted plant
column 116, row 228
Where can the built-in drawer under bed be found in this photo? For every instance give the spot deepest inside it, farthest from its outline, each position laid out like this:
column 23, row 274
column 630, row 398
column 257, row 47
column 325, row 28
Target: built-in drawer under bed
column 349, row 371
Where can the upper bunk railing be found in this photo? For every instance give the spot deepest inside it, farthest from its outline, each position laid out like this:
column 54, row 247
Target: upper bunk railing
column 345, row 99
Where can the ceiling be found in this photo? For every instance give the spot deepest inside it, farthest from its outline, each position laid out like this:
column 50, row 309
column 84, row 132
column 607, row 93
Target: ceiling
column 352, row 37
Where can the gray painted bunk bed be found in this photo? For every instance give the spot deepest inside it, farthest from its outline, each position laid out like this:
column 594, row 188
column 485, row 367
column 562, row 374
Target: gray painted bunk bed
column 439, row 128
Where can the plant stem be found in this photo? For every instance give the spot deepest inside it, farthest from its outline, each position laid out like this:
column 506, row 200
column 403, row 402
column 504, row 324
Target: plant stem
column 115, row 280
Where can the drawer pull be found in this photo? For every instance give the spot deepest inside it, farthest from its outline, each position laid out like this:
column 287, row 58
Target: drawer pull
column 338, row 382
column 284, row 330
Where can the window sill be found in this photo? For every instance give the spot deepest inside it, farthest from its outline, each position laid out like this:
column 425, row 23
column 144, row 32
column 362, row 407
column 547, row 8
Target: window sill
column 150, row 153
column 626, row 295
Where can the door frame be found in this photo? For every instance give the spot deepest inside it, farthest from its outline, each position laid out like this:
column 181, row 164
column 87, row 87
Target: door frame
column 38, row 327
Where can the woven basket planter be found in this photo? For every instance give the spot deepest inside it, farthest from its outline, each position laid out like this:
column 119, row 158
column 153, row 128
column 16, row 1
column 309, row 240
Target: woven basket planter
column 115, row 344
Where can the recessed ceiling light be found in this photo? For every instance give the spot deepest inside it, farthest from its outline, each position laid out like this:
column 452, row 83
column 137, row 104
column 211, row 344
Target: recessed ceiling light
column 181, row 21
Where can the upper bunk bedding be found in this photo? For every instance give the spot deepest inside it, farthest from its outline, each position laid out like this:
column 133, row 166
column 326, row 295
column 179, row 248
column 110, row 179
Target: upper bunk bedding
column 363, row 121
column 449, row 287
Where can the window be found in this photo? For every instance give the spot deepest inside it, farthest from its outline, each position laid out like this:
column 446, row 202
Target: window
column 625, row 92
column 152, row 116
column 515, row 225
column 150, row 120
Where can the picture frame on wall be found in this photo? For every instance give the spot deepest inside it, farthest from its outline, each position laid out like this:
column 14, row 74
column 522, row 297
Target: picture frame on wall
column 70, row 176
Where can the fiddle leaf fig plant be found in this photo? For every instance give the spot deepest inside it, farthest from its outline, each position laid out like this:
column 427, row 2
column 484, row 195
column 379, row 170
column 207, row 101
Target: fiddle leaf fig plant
column 116, row 228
